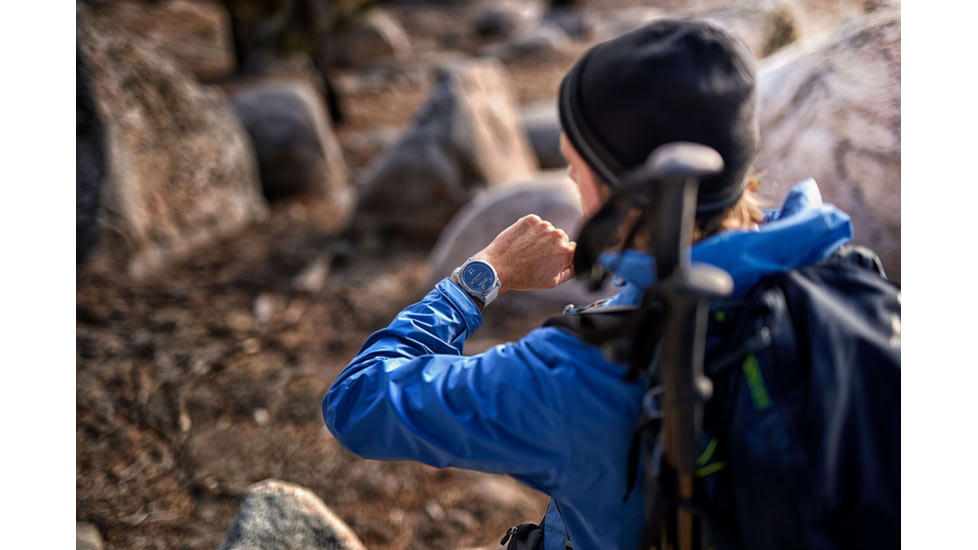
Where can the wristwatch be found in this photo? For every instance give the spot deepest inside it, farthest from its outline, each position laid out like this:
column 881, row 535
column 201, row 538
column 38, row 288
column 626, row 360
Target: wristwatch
column 478, row 278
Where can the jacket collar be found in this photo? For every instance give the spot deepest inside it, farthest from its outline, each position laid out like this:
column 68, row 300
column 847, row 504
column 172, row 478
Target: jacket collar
column 802, row 232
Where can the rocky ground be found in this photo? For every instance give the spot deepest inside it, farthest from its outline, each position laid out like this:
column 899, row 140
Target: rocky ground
column 193, row 387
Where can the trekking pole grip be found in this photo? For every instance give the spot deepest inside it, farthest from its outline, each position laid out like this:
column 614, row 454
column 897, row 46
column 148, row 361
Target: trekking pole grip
column 676, row 170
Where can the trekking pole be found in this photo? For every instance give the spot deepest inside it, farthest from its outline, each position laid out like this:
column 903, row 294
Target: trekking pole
column 685, row 289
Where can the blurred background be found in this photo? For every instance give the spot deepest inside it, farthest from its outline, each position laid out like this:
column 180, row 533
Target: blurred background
column 262, row 184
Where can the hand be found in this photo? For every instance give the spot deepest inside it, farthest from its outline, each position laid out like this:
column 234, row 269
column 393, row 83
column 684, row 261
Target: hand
column 531, row 254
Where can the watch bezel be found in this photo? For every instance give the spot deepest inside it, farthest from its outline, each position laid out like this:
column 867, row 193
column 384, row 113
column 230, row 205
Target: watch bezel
column 485, row 296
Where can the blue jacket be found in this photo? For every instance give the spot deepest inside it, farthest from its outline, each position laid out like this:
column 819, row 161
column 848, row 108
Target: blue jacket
column 548, row 410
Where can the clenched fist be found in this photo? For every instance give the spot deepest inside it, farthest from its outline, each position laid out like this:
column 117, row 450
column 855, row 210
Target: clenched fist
column 531, row 254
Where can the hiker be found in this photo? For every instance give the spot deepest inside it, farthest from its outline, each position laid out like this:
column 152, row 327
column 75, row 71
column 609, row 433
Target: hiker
column 550, row 410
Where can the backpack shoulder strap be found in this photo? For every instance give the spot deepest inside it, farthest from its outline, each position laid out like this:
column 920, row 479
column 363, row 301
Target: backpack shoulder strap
column 625, row 334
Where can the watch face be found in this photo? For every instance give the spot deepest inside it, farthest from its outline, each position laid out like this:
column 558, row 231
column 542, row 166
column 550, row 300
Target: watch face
column 478, row 276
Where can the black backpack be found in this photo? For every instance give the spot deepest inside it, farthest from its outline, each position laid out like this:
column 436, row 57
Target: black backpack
column 802, row 432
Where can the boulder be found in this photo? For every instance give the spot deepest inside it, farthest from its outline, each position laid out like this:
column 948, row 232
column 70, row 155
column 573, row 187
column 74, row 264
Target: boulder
column 486, row 133
column 765, row 26
column 545, row 38
column 625, row 19
column 196, row 34
column 376, row 37
column 824, row 16
column 417, row 196
column 281, row 516
column 502, row 19
column 180, row 171
column 360, row 147
column 90, row 161
column 830, row 109
column 297, row 151
column 550, row 195
column 88, row 537
column 570, row 18
column 466, row 136
column 542, row 124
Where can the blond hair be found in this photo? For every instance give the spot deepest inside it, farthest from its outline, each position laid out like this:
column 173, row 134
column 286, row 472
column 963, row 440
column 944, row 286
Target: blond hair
column 745, row 213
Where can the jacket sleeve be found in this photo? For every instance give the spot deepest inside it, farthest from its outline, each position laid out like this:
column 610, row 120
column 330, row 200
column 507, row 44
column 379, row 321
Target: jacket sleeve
column 410, row 394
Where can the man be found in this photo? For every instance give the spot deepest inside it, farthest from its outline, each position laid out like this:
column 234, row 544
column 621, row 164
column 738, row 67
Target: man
column 550, row 410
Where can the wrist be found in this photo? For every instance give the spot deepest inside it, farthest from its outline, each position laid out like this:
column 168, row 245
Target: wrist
column 478, row 303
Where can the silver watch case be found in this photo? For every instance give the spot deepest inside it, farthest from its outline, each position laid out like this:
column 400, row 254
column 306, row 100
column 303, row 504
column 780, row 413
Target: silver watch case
column 479, row 279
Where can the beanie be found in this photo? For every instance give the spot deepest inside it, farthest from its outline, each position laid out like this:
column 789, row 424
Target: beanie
column 669, row 80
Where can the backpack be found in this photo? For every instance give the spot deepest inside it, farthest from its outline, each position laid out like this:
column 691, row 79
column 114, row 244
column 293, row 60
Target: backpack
column 801, row 445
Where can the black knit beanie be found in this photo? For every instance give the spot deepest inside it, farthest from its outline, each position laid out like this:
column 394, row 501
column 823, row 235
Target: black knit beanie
column 670, row 80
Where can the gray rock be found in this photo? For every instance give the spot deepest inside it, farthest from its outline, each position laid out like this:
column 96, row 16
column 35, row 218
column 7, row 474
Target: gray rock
column 623, row 20
column 278, row 515
column 830, row 109
column 574, row 21
column 765, row 26
column 376, row 37
column 466, row 136
column 359, row 148
column 542, row 124
column 503, row 19
column 411, row 189
column 820, row 17
column 544, row 38
column 486, row 132
column 88, row 537
column 180, row 172
column 298, row 154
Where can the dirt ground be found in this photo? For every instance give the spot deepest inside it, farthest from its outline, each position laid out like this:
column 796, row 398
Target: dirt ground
column 193, row 387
